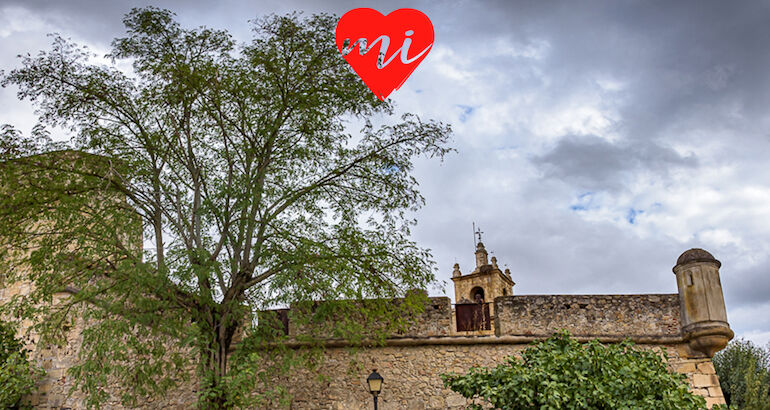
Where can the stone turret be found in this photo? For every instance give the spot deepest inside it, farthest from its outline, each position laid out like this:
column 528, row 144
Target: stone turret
column 481, row 256
column 703, row 315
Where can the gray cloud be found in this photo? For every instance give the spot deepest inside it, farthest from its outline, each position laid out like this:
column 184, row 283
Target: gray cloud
column 748, row 286
column 593, row 163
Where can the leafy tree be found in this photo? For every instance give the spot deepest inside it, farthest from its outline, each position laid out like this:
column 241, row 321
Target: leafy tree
column 17, row 374
column 234, row 165
column 562, row 373
column 744, row 374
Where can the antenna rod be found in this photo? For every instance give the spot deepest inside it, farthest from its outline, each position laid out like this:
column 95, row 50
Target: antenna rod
column 474, row 235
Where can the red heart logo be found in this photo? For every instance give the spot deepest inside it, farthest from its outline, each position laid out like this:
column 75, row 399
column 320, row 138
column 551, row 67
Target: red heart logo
column 384, row 50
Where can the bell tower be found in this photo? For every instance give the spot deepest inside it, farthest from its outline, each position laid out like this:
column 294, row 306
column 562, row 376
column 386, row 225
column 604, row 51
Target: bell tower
column 485, row 283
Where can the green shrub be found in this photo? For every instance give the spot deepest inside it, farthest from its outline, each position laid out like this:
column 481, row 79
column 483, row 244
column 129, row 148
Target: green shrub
column 17, row 374
column 562, row 373
column 744, row 373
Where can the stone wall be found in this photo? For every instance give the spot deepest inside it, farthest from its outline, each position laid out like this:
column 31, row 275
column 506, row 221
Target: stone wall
column 434, row 320
column 702, row 378
column 411, row 375
column 412, row 379
column 589, row 315
column 411, row 363
column 53, row 389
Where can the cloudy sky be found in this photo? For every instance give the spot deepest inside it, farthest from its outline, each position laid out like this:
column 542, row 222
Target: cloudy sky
column 595, row 143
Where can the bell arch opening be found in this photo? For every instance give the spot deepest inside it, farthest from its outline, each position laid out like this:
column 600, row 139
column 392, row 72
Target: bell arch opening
column 477, row 294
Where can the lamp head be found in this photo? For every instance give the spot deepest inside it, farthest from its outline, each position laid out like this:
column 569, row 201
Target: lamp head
column 375, row 382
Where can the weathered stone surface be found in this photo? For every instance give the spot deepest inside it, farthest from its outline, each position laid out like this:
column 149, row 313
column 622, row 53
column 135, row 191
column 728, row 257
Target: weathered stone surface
column 715, row 391
column 686, row 367
column 415, row 404
column 436, row 402
column 706, row 368
column 702, row 305
column 705, row 380
column 433, row 321
column 455, row 400
column 589, row 315
column 697, row 255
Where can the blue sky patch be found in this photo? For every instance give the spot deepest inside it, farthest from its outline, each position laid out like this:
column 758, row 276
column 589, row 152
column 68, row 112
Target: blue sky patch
column 467, row 110
column 632, row 214
column 583, row 202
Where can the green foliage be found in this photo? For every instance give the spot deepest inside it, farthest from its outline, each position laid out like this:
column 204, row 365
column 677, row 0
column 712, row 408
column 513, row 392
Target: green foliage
column 17, row 374
column 744, row 374
column 562, row 373
column 236, row 163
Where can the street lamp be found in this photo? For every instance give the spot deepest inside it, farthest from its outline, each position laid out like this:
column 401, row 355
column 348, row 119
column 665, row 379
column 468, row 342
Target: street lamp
column 375, row 385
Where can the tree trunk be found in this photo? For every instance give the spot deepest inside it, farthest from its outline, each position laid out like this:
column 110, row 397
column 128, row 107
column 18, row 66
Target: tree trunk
column 214, row 366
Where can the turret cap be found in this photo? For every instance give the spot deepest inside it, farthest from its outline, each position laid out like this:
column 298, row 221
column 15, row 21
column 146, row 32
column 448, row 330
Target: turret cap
column 697, row 255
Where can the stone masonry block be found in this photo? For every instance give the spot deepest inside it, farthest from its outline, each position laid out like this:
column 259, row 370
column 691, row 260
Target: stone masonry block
column 706, row 367
column 701, row 392
column 704, row 380
column 715, row 391
column 687, row 367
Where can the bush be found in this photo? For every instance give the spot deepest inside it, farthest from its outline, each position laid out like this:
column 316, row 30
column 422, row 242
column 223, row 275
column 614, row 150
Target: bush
column 562, row 373
column 744, row 373
column 17, row 374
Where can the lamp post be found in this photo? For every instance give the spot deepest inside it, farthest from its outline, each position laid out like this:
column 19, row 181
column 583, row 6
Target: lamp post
column 375, row 385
